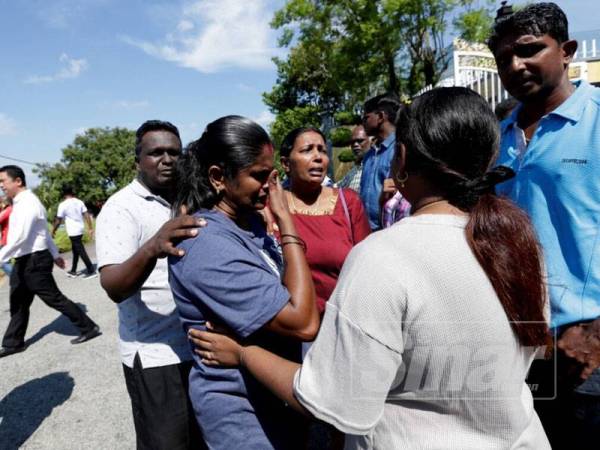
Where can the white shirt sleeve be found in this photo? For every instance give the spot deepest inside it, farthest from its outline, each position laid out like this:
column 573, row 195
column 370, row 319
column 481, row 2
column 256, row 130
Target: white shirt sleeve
column 117, row 235
column 51, row 246
column 349, row 371
column 20, row 225
column 60, row 212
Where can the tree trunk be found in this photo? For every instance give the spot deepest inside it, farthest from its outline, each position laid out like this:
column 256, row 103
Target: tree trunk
column 393, row 84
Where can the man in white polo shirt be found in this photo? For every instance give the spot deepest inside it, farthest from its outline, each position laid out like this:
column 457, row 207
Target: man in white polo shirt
column 133, row 237
column 73, row 212
column 29, row 242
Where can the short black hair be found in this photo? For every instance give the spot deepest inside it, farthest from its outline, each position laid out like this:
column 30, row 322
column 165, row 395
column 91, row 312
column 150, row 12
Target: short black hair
column 537, row 19
column 290, row 139
column 387, row 103
column 67, row 190
column 14, row 172
column 505, row 108
column 153, row 125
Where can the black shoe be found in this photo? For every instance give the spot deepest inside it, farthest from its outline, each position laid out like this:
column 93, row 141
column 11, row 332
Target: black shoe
column 7, row 351
column 94, row 332
column 72, row 274
column 89, row 275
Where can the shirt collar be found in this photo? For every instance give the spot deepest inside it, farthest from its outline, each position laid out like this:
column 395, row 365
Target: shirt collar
column 20, row 196
column 387, row 142
column 141, row 190
column 571, row 109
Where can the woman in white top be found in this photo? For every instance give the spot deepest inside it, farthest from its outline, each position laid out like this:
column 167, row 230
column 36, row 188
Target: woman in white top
column 434, row 323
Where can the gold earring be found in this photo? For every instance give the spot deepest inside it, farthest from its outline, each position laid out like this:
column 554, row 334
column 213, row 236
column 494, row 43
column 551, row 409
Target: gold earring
column 402, row 180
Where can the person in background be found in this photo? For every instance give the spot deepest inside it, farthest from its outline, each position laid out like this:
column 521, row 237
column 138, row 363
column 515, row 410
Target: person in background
column 73, row 211
column 378, row 121
column 233, row 272
column 360, row 145
column 505, row 108
column 431, row 348
column 552, row 141
column 330, row 221
column 30, row 244
column 394, row 209
column 134, row 234
column 5, row 210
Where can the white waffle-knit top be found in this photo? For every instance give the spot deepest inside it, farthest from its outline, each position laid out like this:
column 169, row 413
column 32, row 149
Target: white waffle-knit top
column 415, row 350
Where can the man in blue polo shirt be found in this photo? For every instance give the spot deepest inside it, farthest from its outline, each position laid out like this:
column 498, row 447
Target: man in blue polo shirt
column 379, row 119
column 552, row 142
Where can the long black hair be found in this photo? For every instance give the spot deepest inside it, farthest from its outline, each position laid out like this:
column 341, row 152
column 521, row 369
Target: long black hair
column 451, row 137
column 232, row 143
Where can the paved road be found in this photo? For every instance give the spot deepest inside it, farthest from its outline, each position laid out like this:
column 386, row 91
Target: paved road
column 61, row 396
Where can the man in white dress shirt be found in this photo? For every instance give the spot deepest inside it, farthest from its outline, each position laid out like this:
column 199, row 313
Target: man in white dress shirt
column 133, row 237
column 29, row 242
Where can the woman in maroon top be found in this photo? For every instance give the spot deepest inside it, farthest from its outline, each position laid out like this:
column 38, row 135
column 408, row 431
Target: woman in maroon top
column 330, row 221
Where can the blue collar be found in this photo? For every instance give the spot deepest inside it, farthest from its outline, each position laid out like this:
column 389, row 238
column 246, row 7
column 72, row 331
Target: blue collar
column 387, row 142
column 571, row 109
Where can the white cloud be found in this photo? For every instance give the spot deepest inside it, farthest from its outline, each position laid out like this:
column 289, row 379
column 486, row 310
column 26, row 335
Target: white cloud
column 212, row 35
column 185, row 25
column 71, row 68
column 7, row 125
column 264, row 119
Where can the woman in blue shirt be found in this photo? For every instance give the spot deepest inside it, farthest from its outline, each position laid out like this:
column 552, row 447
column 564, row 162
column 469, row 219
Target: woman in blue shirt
column 233, row 273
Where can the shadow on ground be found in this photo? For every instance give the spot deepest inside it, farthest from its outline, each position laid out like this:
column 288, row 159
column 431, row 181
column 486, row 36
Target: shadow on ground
column 61, row 325
column 24, row 409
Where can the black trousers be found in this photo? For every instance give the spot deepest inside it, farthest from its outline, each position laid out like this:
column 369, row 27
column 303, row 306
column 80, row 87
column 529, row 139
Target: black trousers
column 571, row 419
column 162, row 413
column 79, row 250
column 32, row 275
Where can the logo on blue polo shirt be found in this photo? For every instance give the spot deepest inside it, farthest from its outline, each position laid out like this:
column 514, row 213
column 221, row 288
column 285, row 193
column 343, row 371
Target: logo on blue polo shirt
column 574, row 161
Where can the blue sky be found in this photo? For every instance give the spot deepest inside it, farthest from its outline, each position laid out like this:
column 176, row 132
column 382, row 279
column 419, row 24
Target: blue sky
column 68, row 65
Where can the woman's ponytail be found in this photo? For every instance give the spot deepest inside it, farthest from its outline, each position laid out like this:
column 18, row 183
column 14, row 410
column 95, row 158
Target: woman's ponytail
column 503, row 240
column 194, row 190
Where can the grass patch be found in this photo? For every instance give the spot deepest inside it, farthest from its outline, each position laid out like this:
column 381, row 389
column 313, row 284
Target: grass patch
column 62, row 241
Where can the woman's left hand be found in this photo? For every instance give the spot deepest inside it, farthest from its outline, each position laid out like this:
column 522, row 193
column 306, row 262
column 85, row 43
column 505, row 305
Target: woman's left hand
column 217, row 346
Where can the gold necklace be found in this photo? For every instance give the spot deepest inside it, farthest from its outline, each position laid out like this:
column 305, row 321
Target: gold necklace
column 314, row 210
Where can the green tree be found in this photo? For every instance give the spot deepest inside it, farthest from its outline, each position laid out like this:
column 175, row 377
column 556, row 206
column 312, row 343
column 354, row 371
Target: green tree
column 96, row 164
column 300, row 116
column 343, row 51
column 475, row 25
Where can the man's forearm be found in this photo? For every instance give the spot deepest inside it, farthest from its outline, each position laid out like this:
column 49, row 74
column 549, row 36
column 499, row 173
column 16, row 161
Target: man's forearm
column 121, row 281
column 88, row 220
column 55, row 225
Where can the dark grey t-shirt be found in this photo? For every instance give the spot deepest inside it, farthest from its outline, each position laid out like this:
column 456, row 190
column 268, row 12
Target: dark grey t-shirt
column 232, row 276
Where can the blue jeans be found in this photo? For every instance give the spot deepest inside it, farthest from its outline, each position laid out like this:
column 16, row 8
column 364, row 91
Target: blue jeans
column 7, row 268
